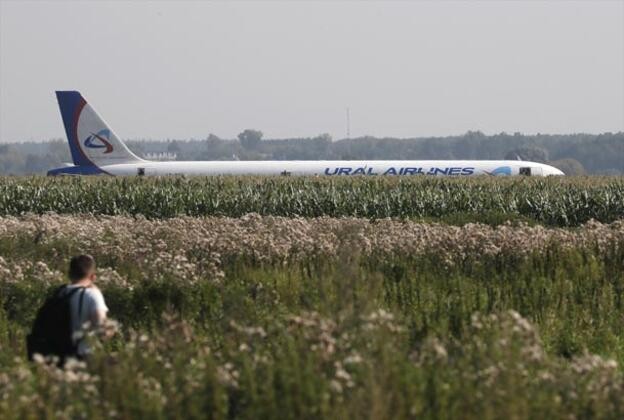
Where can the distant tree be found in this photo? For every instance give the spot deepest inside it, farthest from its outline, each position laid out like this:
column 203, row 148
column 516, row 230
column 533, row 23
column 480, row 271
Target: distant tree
column 250, row 139
column 137, row 147
column 34, row 164
column 173, row 147
column 12, row 161
column 474, row 135
column 531, row 153
column 325, row 137
column 609, row 172
column 569, row 166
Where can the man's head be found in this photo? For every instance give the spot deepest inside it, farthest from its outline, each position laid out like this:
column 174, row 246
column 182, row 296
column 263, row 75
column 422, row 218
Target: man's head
column 82, row 267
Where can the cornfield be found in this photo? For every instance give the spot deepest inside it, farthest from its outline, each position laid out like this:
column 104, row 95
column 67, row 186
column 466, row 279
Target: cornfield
column 555, row 202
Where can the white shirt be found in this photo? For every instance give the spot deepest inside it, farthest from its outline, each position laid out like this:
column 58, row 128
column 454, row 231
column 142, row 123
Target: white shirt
column 92, row 303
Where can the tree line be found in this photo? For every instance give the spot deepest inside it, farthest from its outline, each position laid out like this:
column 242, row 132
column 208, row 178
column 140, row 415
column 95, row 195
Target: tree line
column 575, row 154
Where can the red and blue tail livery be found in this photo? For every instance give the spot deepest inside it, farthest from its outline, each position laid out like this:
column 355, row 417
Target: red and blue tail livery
column 96, row 150
column 93, row 145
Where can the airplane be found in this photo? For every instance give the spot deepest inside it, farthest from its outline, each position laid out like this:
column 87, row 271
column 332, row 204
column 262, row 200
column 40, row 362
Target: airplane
column 97, row 150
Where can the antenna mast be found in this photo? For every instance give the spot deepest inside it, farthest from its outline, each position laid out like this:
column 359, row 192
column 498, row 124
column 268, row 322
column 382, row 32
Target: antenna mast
column 348, row 123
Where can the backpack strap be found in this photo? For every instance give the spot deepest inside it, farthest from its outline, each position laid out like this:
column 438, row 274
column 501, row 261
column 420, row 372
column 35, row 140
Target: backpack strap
column 82, row 293
column 58, row 293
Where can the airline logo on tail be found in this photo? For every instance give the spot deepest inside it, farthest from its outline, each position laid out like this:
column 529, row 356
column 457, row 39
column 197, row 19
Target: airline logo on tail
column 99, row 140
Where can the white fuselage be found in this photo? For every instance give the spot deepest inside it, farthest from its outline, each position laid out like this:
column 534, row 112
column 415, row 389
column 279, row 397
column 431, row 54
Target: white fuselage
column 335, row 167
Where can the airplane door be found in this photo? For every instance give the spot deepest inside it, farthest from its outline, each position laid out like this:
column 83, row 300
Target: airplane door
column 530, row 171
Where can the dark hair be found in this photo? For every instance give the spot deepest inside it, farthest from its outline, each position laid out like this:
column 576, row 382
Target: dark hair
column 80, row 266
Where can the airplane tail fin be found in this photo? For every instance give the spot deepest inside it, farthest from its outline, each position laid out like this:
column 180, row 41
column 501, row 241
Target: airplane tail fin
column 91, row 141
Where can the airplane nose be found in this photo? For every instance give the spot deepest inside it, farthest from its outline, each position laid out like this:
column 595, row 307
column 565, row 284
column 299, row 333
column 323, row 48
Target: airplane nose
column 551, row 170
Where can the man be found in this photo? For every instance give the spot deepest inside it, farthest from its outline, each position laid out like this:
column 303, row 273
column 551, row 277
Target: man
column 59, row 327
column 87, row 306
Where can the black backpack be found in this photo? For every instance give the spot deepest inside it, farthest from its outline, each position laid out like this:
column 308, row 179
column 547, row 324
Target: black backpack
column 51, row 333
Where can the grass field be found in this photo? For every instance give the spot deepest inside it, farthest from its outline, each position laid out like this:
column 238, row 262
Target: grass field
column 318, row 306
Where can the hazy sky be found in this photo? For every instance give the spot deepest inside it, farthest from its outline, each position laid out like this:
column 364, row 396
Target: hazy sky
column 406, row 69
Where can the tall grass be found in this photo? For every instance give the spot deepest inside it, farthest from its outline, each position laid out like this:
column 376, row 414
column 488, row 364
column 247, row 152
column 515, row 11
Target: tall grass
column 555, row 201
column 364, row 334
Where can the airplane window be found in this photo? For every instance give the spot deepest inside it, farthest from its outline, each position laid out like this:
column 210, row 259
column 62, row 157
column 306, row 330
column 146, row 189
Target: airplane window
column 141, row 171
column 525, row 171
